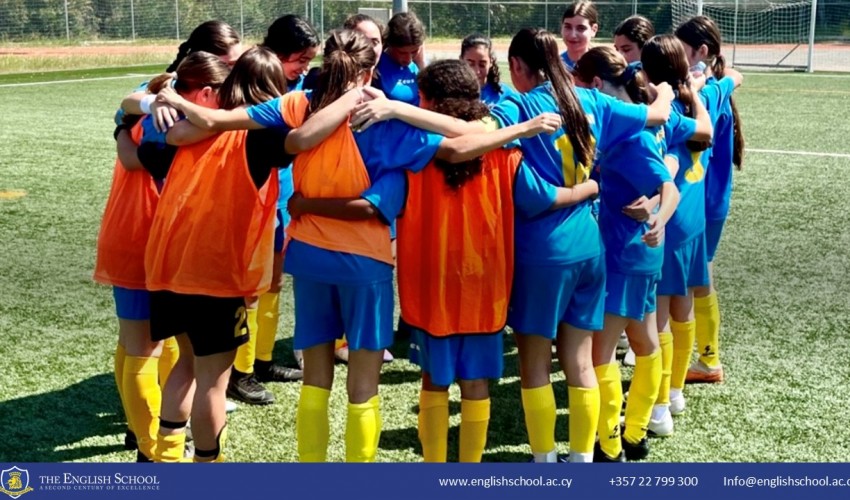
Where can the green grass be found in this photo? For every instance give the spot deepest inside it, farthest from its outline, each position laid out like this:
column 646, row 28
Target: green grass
column 83, row 74
column 782, row 271
column 54, row 62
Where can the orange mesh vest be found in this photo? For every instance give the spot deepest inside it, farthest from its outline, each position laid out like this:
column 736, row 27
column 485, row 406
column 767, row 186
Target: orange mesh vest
column 126, row 225
column 456, row 249
column 213, row 233
column 334, row 169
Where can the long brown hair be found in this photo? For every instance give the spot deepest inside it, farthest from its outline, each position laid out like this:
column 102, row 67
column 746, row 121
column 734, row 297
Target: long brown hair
column 664, row 60
column 610, row 66
column 453, row 90
column 215, row 37
column 538, row 49
column 696, row 32
column 256, row 77
column 347, row 55
column 196, row 71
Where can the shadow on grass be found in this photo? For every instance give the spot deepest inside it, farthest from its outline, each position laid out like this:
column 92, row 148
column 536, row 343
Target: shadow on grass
column 33, row 427
column 507, row 421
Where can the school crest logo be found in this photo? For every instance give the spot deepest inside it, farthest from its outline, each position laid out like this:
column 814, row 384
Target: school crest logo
column 15, row 482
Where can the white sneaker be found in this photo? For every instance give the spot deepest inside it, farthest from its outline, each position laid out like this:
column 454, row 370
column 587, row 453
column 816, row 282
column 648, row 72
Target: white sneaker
column 629, row 359
column 230, row 406
column 623, row 343
column 661, row 421
column 677, row 404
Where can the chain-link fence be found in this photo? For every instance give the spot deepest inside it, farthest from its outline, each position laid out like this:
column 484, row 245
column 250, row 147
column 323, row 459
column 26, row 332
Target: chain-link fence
column 775, row 26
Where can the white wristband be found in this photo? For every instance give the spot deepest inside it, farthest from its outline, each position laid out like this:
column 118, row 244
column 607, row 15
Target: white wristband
column 145, row 103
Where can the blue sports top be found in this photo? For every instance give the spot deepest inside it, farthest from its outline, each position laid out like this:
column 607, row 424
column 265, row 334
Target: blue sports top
column 398, row 82
column 718, row 178
column 632, row 169
column 571, row 234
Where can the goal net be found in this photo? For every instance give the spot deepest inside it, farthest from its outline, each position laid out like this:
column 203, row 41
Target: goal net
column 758, row 32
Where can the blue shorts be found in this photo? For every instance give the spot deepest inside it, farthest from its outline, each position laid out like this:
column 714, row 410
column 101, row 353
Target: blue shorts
column 132, row 304
column 324, row 312
column 630, row 295
column 713, row 232
column 684, row 267
column 544, row 296
column 458, row 357
column 279, row 233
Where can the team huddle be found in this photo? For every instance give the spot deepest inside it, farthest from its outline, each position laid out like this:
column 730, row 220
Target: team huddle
column 582, row 208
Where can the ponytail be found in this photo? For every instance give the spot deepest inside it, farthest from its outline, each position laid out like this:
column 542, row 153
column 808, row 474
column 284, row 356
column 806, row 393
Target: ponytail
column 539, row 50
column 347, row 55
column 718, row 67
column 159, row 82
column 664, row 60
column 701, row 30
column 607, row 64
column 182, row 52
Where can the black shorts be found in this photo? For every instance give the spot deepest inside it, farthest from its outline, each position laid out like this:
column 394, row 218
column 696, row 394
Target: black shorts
column 213, row 324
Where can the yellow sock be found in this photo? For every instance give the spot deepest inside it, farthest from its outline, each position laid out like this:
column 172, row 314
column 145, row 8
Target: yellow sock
column 474, row 419
column 311, row 424
column 143, row 397
column 268, row 313
column 611, row 402
column 434, row 424
column 643, row 393
column 584, row 418
column 168, row 358
column 683, row 346
column 118, row 364
column 169, row 448
column 665, row 339
column 539, row 407
column 707, row 315
column 247, row 352
column 363, row 430
column 216, row 455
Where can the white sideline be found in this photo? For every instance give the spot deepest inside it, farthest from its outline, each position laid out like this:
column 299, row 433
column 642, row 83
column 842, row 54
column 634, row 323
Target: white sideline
column 799, row 153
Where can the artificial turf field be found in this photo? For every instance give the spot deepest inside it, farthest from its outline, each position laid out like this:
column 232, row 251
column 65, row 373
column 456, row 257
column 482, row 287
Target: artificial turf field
column 783, row 274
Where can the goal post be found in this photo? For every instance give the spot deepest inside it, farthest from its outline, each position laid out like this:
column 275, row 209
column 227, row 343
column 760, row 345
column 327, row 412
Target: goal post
column 760, row 33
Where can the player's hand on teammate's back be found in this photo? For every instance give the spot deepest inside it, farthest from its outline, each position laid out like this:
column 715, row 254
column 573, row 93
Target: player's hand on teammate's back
column 293, row 206
column 655, row 235
column 164, row 116
column 640, row 209
column 543, row 123
column 369, row 113
column 661, row 91
column 164, row 109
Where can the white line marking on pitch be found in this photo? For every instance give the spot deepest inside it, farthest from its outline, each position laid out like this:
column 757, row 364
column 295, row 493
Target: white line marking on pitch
column 81, row 80
column 799, row 153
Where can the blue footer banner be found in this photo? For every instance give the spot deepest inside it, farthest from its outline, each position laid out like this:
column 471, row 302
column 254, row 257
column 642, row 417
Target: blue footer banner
column 33, row 481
